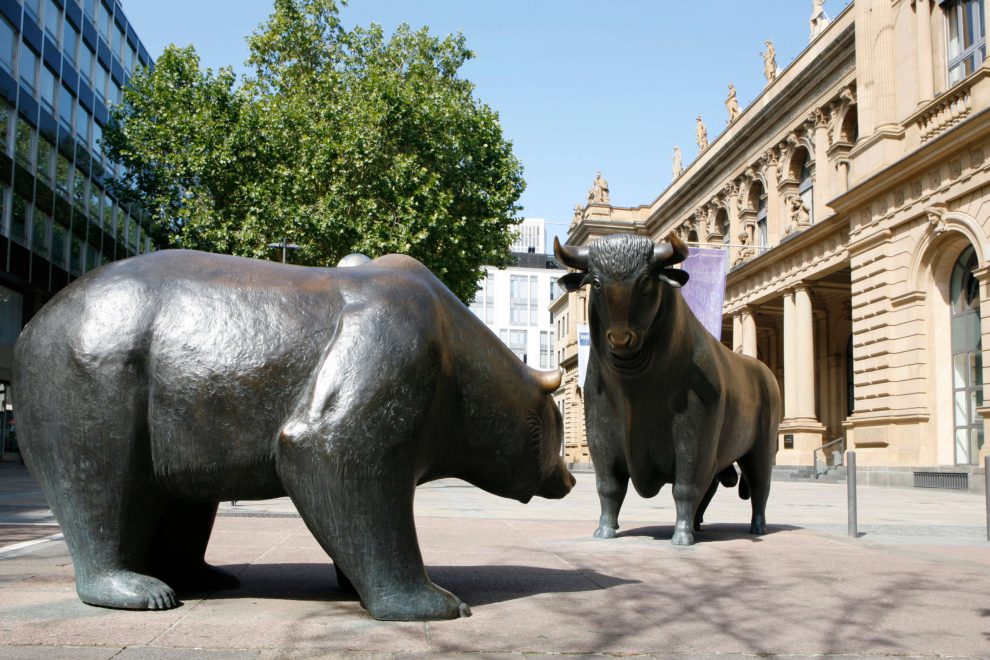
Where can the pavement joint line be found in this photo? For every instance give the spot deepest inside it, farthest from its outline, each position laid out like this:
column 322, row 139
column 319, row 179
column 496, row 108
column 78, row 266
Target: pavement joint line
column 27, row 544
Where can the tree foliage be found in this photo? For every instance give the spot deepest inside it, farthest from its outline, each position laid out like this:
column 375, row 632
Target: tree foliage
column 341, row 141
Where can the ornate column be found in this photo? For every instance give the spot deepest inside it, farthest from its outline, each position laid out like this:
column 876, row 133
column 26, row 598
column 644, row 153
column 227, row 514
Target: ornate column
column 821, row 186
column 774, row 203
column 732, row 205
column 804, row 347
column 923, row 46
column 801, row 432
column 875, row 64
column 748, row 332
column 790, row 352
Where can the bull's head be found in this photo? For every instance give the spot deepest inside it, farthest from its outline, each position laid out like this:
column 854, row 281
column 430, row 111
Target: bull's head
column 628, row 275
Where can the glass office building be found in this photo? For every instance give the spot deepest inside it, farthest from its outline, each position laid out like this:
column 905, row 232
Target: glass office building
column 63, row 63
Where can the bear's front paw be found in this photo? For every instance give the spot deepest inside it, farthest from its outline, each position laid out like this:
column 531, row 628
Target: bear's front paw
column 427, row 604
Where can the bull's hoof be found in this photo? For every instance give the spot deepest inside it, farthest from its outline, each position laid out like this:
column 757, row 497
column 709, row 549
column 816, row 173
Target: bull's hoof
column 758, row 527
column 605, row 532
column 125, row 590
column 429, row 604
column 682, row 537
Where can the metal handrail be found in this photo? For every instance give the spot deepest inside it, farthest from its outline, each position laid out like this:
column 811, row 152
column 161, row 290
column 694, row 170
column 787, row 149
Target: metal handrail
column 814, row 455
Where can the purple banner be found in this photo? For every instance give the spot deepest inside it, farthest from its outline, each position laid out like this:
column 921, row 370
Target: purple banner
column 705, row 291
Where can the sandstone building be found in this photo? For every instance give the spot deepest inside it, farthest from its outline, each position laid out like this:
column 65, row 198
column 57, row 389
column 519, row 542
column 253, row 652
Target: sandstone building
column 853, row 196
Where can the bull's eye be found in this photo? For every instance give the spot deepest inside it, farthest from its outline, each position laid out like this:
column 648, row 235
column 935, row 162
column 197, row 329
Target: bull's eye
column 596, row 284
column 645, row 284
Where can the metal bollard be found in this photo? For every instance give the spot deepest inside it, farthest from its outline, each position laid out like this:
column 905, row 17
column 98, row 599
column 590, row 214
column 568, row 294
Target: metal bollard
column 986, row 476
column 851, row 492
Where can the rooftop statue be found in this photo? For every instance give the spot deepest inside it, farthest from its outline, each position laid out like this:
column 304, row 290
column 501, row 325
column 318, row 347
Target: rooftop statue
column 678, row 166
column 153, row 388
column 819, row 19
column 769, row 61
column 701, row 134
column 599, row 191
column 732, row 104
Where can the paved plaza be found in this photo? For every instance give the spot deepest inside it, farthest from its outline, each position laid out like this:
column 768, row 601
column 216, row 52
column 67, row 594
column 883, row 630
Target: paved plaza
column 915, row 583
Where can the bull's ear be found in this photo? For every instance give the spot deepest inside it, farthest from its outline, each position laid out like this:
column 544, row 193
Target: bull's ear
column 675, row 277
column 571, row 282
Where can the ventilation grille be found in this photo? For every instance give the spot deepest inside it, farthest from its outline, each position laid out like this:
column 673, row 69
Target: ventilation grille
column 948, row 480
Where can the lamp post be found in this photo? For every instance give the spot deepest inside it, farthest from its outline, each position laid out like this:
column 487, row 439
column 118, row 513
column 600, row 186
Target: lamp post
column 285, row 245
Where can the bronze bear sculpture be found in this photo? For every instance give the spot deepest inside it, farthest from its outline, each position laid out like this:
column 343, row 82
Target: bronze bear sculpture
column 153, row 388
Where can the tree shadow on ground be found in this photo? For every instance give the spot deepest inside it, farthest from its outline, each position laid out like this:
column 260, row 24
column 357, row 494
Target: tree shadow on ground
column 709, row 533
column 475, row 585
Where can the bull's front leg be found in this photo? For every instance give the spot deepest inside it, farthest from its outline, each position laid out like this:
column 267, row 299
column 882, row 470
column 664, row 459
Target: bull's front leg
column 605, row 445
column 691, row 483
column 612, row 489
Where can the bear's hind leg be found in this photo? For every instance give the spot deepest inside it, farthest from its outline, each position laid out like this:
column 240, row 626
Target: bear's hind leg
column 179, row 548
column 110, row 545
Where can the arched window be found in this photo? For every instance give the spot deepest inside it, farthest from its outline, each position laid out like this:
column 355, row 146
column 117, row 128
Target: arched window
column 967, row 358
column 806, row 188
column 761, row 221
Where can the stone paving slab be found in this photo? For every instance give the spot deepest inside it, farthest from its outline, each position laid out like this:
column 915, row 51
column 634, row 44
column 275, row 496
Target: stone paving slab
column 916, row 583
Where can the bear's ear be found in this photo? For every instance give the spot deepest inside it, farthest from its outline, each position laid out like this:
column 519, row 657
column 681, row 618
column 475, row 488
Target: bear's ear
column 675, row 277
column 572, row 281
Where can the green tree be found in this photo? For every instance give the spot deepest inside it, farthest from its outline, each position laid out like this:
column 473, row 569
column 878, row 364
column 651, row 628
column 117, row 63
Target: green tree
column 342, row 141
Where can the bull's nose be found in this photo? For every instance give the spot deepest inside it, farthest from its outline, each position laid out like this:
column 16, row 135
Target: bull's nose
column 619, row 338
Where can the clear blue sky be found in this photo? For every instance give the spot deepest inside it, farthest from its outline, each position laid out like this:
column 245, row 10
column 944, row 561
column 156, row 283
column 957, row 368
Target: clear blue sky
column 580, row 86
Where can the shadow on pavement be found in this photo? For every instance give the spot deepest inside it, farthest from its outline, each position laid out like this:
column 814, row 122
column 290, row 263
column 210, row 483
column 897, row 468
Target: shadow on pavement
column 709, row 533
column 475, row 585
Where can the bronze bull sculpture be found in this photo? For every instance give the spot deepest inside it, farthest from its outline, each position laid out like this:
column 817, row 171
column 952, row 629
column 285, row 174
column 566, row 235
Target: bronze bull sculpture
column 664, row 401
column 154, row 388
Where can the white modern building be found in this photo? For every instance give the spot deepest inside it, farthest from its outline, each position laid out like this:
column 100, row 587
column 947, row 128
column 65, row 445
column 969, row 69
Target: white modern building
column 514, row 301
column 531, row 236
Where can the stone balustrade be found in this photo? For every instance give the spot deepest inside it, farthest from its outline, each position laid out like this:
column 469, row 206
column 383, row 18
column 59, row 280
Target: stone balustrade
column 945, row 111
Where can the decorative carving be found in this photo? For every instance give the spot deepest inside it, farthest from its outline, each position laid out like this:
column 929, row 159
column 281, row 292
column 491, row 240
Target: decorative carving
column 976, row 158
column 578, row 214
column 800, row 216
column 732, row 104
column 936, row 218
column 955, row 168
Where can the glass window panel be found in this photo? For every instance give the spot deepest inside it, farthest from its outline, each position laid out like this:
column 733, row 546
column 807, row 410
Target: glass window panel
column 959, row 369
column 39, row 234
column 62, row 169
column 961, row 408
column 79, row 189
column 24, row 152
column 28, row 67
column 71, row 44
column 103, row 22
column 49, row 88
column 65, row 104
column 86, row 64
column 90, row 8
column 33, row 7
column 534, row 298
column 45, row 152
column 53, row 21
column 100, row 84
column 83, row 121
column 962, row 445
column 58, row 245
column 118, row 43
column 129, row 58
column 18, row 218
column 6, row 113
column 75, row 256
column 8, row 42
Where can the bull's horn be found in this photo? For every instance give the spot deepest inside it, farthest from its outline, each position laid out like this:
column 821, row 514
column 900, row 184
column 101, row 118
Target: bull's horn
column 572, row 257
column 671, row 252
column 549, row 380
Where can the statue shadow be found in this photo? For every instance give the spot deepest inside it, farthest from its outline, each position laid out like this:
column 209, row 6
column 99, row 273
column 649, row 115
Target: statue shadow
column 475, row 585
column 709, row 532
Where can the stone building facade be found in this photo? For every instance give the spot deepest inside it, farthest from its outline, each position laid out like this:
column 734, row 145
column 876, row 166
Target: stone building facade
column 853, row 196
